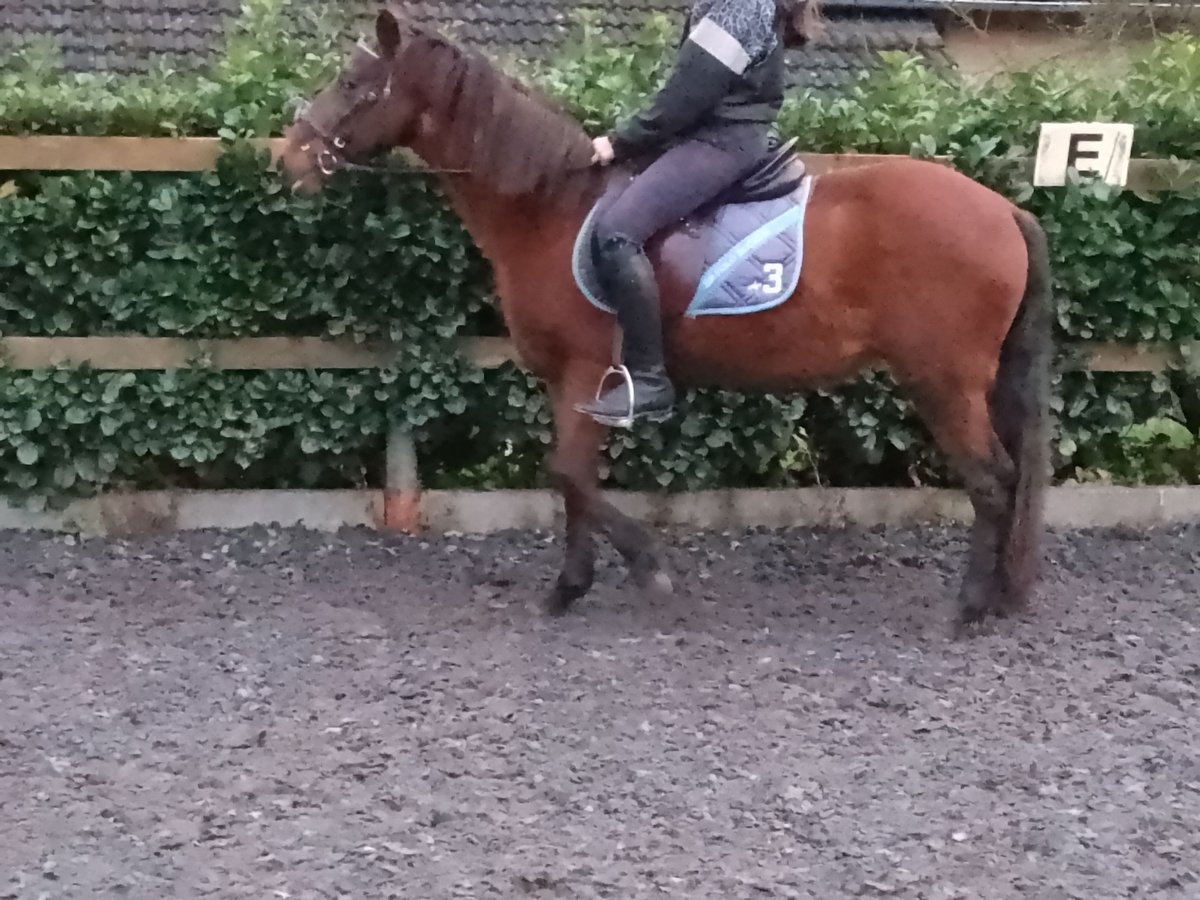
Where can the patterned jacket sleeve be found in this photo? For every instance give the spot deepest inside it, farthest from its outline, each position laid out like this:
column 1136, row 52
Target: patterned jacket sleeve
column 732, row 36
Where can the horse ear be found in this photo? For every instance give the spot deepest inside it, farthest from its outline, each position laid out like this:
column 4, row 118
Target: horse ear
column 387, row 32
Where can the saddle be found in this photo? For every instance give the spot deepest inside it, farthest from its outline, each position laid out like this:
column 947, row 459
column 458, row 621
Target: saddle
column 778, row 175
column 751, row 234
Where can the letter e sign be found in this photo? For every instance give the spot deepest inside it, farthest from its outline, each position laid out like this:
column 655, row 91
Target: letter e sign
column 1100, row 147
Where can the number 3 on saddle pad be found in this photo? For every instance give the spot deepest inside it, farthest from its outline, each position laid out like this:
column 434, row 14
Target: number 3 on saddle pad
column 752, row 257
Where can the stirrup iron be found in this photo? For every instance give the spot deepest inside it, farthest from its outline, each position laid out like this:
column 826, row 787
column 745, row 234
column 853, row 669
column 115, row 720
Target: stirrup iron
column 625, row 421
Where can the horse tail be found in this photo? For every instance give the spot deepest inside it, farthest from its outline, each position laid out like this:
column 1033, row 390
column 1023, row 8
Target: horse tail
column 1020, row 408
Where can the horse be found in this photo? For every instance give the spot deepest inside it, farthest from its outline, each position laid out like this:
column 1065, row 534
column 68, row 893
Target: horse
column 909, row 266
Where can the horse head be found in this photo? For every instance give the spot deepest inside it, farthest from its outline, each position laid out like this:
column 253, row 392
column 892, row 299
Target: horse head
column 367, row 109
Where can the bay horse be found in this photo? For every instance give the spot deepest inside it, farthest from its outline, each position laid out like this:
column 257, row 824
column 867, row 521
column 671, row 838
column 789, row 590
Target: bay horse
column 909, row 266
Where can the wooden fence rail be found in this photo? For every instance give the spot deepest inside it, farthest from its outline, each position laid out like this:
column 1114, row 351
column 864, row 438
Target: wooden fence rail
column 266, row 353
column 257, row 353
column 71, row 153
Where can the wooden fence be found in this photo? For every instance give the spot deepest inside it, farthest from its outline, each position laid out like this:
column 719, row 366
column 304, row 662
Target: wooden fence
column 63, row 154
column 55, row 153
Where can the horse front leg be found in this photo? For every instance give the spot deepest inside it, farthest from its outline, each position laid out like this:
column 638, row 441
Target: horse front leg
column 575, row 472
column 636, row 545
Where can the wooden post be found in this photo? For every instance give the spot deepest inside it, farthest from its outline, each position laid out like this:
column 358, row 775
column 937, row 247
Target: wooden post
column 402, row 487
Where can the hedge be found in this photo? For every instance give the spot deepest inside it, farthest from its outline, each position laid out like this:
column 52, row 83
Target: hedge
column 228, row 254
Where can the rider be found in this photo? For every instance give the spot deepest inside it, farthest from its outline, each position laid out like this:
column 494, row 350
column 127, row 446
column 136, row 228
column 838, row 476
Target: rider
column 708, row 126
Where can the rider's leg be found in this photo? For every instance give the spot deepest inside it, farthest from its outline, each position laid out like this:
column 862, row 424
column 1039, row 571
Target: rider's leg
column 681, row 180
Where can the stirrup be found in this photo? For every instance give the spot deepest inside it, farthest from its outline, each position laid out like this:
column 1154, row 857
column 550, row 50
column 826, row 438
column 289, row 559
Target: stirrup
column 625, row 421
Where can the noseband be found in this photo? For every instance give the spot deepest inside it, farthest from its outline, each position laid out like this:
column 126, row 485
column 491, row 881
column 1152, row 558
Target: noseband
column 329, row 161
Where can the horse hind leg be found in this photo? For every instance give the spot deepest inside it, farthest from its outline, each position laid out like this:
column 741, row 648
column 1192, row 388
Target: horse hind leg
column 961, row 423
column 988, row 485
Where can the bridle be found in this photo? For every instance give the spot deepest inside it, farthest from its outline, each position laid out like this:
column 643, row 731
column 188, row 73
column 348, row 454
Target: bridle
column 330, row 161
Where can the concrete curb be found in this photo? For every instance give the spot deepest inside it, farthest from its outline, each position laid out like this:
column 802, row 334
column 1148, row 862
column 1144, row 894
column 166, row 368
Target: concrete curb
column 164, row 511
column 481, row 512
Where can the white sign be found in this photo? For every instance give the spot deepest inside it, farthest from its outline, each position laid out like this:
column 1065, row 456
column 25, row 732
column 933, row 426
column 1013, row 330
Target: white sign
column 1100, row 147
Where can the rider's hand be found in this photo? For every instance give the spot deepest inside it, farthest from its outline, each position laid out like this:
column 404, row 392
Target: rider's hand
column 602, row 151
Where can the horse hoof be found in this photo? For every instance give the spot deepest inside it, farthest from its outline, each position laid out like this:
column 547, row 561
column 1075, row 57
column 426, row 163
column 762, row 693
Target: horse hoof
column 648, row 574
column 976, row 600
column 557, row 603
column 661, row 583
column 973, row 617
column 964, row 627
column 562, row 598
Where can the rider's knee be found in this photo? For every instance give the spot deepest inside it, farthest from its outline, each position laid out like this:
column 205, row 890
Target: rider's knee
column 612, row 241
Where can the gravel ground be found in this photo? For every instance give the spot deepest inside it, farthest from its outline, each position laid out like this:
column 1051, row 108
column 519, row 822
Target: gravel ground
column 277, row 713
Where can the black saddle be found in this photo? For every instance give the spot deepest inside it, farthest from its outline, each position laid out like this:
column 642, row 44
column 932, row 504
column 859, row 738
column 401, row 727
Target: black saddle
column 778, row 175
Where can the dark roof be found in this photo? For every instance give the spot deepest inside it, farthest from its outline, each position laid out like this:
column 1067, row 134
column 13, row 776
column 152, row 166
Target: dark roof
column 857, row 29
column 853, row 41
column 129, row 35
column 534, row 26
column 120, row 35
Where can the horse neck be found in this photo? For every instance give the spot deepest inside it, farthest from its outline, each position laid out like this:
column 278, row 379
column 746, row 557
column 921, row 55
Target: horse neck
column 495, row 220
column 488, row 216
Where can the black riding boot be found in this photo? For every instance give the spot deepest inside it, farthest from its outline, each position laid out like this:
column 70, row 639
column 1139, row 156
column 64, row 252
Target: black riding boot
column 627, row 278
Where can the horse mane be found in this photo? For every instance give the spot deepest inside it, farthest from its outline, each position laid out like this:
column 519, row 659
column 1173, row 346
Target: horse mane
column 502, row 131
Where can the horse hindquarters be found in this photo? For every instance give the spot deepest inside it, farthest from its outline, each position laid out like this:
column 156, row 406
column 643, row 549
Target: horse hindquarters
column 956, row 294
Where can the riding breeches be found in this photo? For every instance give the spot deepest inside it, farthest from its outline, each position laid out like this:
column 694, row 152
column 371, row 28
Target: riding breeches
column 680, row 181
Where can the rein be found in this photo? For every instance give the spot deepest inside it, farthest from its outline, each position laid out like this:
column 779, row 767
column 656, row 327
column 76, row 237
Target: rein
column 392, row 170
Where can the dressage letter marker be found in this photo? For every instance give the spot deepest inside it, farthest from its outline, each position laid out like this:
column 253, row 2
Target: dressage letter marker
column 1100, row 147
